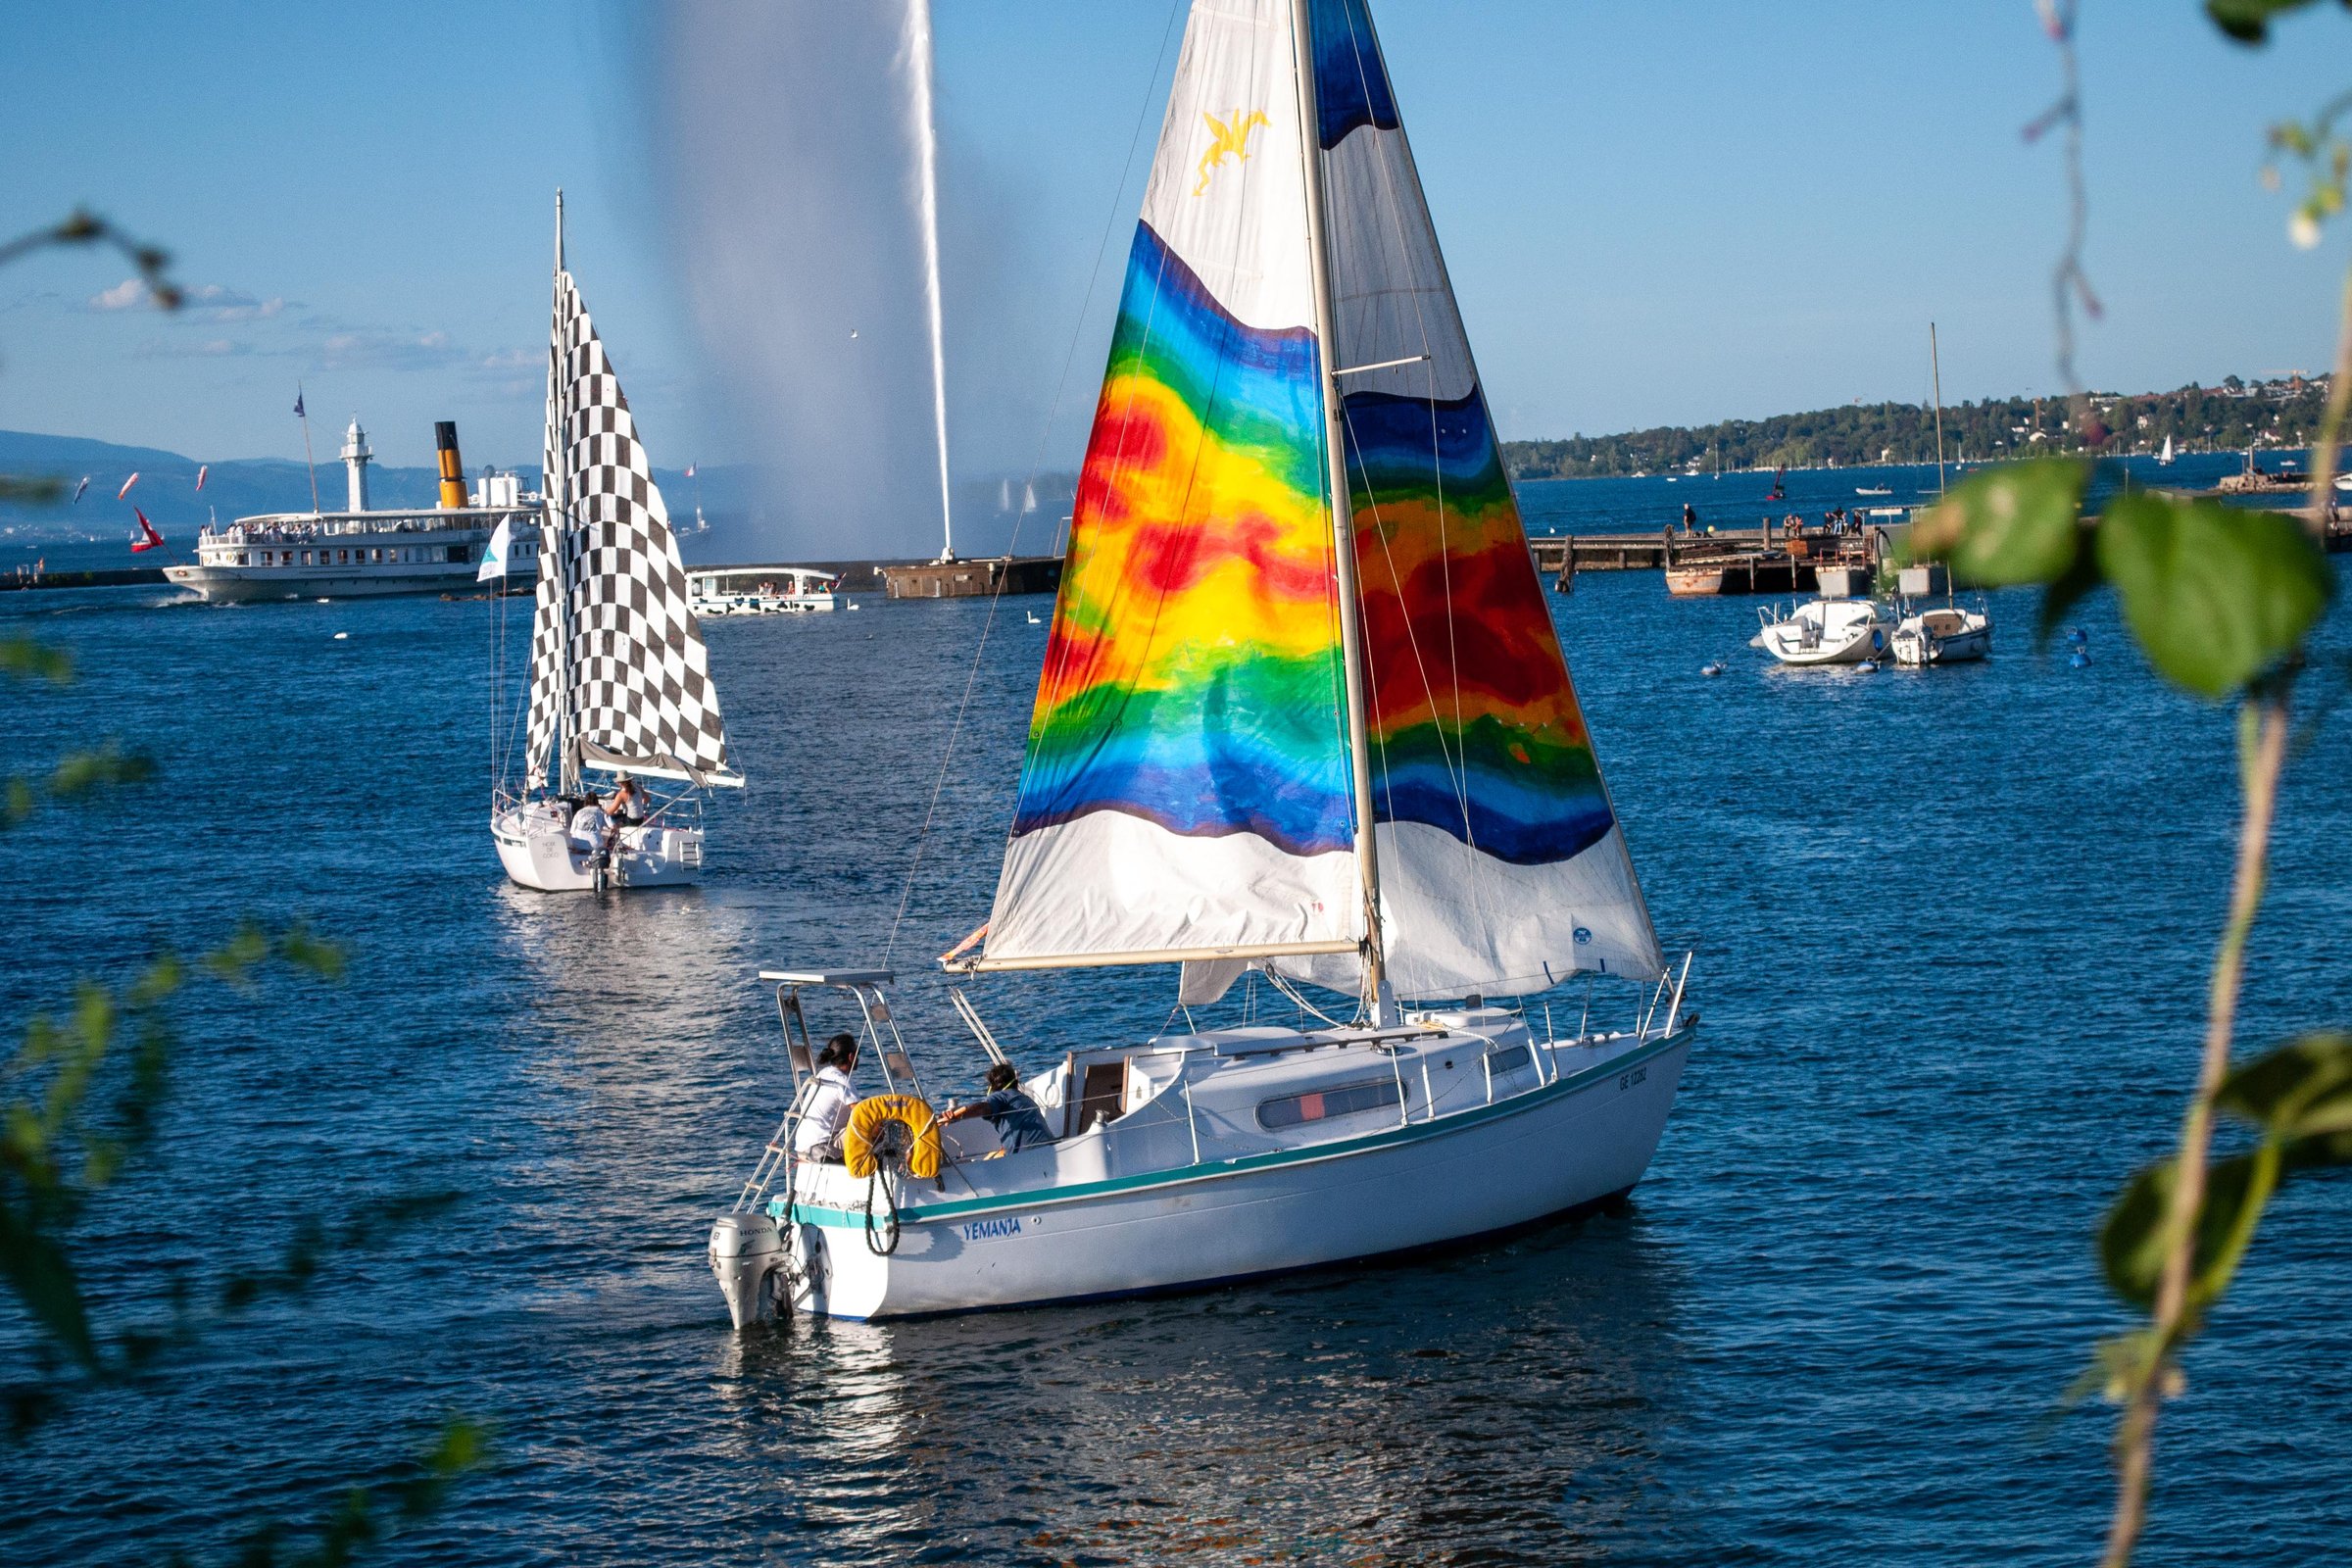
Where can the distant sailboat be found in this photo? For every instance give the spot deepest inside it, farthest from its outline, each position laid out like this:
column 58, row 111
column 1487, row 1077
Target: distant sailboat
column 2166, row 456
column 1304, row 716
column 619, row 681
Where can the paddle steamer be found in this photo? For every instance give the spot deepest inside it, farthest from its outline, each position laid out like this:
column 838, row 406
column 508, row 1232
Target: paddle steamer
column 362, row 553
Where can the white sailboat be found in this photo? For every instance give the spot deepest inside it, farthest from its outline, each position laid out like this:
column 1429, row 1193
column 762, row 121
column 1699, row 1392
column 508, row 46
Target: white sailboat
column 2166, row 456
column 1321, row 746
column 619, row 679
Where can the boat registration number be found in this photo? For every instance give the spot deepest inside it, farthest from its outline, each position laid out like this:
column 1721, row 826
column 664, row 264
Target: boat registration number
column 989, row 1230
column 1628, row 1080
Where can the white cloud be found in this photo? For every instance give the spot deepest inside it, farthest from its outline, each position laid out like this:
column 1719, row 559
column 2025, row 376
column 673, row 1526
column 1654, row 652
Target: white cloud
column 391, row 351
column 122, row 297
column 217, row 348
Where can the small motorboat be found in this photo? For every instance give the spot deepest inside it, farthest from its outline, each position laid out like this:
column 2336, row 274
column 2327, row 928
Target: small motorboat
column 1824, row 631
column 1944, row 635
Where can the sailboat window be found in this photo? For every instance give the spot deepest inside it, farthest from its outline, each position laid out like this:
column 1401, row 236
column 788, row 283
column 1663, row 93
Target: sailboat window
column 306, row 557
column 1346, row 1100
column 1510, row 1060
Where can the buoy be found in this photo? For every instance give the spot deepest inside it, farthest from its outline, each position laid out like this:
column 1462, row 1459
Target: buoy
column 2075, row 634
column 1867, row 666
column 1710, row 668
column 339, row 636
column 2080, row 661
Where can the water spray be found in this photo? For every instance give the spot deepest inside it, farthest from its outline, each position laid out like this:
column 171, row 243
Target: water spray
column 927, row 138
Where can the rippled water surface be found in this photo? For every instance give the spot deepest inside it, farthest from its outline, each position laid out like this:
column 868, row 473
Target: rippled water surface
column 1951, row 931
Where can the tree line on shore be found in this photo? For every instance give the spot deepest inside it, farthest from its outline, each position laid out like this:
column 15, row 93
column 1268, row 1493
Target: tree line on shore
column 2231, row 416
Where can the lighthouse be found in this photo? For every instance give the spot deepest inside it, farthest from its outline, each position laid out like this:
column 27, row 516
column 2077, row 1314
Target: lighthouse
column 356, row 458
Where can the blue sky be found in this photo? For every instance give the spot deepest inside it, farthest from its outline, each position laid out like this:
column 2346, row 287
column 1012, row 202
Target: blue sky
column 1653, row 212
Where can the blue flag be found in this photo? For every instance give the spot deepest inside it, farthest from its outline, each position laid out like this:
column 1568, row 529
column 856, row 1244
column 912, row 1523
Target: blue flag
column 298, row 404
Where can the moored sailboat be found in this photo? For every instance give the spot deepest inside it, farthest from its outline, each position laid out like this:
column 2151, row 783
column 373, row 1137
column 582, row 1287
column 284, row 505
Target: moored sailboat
column 1325, row 745
column 619, row 681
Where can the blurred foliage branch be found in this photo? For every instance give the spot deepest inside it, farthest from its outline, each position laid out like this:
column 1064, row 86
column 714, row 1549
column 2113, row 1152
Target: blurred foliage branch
column 2223, row 603
column 80, row 1105
column 82, row 227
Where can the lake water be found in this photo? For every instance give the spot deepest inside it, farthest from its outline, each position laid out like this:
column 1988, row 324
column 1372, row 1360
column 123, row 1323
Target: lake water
column 1951, row 933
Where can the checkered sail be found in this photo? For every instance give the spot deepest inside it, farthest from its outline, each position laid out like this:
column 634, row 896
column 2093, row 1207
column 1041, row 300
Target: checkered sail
column 547, row 597
column 635, row 682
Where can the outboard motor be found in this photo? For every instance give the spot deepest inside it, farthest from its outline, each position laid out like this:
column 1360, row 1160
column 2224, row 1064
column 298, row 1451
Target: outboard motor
column 745, row 1249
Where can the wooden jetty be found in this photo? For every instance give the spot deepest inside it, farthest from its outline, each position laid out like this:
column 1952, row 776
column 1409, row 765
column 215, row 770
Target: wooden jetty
column 119, row 578
column 973, row 579
column 1730, row 560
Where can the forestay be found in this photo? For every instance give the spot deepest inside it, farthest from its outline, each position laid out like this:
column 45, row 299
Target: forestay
column 633, row 689
column 1186, row 782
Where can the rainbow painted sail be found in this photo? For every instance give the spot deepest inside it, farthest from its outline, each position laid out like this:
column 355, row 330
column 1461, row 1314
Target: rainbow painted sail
column 1188, row 782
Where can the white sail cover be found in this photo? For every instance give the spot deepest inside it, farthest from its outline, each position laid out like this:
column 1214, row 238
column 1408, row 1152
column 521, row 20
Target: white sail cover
column 1187, row 779
column 637, row 674
column 1502, row 867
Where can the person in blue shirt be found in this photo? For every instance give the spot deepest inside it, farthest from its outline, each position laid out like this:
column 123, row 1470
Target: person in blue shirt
column 1019, row 1124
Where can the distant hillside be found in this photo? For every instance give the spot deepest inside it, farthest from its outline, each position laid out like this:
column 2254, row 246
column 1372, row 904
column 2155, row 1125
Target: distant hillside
column 166, row 488
column 2228, row 418
column 748, row 511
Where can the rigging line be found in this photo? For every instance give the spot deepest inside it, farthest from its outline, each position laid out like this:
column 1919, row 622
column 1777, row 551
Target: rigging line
column 988, row 624
column 1458, row 772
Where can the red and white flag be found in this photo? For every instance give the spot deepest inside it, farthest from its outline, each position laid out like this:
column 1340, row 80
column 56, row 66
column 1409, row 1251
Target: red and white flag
column 126, row 485
column 151, row 539
column 202, row 469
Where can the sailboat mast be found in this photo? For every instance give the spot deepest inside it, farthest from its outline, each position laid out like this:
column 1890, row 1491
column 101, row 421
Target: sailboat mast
column 559, row 509
column 1343, row 525
column 1935, row 377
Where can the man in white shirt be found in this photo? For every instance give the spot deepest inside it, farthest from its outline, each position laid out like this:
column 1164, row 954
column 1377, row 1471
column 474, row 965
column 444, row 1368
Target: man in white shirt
column 830, row 1098
column 589, row 828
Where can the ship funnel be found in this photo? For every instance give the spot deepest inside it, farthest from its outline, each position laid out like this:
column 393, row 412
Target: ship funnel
column 452, row 470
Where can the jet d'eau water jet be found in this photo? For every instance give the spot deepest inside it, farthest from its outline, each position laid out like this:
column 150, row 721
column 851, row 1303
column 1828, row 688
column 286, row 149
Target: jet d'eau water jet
column 792, row 150
column 922, row 112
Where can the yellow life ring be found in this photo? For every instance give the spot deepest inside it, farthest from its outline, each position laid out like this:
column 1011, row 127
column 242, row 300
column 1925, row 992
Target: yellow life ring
column 868, row 1119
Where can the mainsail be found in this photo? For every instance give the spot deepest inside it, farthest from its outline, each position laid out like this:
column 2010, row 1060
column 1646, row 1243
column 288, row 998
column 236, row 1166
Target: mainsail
column 632, row 686
column 1189, row 780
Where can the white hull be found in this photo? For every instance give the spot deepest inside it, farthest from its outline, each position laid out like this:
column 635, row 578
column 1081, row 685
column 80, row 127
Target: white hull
column 253, row 584
column 1917, row 648
column 771, row 605
column 1791, row 647
column 1583, row 1129
column 537, row 852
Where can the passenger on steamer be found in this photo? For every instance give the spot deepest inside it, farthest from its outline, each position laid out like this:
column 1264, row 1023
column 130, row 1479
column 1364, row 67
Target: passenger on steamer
column 830, row 1098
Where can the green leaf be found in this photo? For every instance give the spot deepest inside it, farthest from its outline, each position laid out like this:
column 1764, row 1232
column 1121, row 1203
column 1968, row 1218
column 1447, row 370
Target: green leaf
column 324, row 960
column 2299, row 1090
column 2132, row 1241
column 27, row 659
column 2215, row 595
column 2249, row 20
column 2014, row 524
